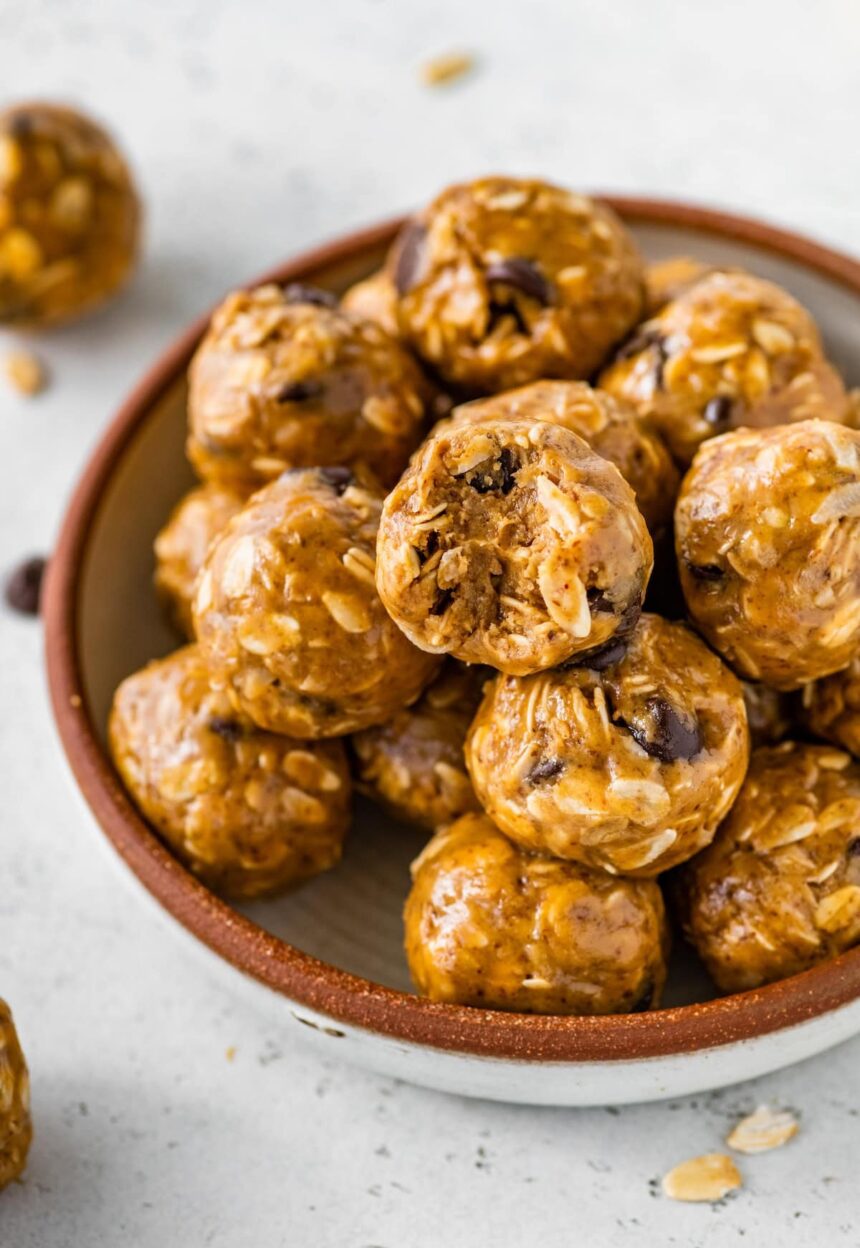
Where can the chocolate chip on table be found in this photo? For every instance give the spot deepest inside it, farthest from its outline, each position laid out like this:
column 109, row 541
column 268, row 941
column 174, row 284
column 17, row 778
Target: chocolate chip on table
column 666, row 734
column 498, row 479
column 523, row 276
column 546, row 770
column 718, row 410
column 410, row 256
column 299, row 391
column 229, row 729
column 23, row 588
column 299, row 292
column 340, row 479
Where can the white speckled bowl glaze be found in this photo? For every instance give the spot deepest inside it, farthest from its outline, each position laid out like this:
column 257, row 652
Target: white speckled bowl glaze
column 328, row 957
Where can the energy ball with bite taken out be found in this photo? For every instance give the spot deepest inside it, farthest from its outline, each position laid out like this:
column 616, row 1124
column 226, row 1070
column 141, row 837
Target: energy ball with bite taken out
column 610, row 426
column 374, row 299
column 505, row 280
column 249, row 812
column 16, row 1128
column 287, row 610
column 732, row 350
column 181, row 545
column 285, row 379
column 513, row 544
column 778, row 891
column 627, row 764
column 831, row 707
column 767, row 530
column 414, row 764
column 489, row 925
column 69, row 216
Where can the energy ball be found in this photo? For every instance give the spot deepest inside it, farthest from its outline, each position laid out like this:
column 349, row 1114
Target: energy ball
column 610, row 426
column 248, row 812
column 779, row 889
column 831, row 707
column 504, row 280
column 69, row 216
column 627, row 765
column 286, row 379
column 181, row 546
column 513, row 544
column 374, row 299
column 733, row 350
column 287, row 610
column 414, row 764
column 770, row 714
column 666, row 279
column 767, row 530
column 16, row 1128
column 489, row 925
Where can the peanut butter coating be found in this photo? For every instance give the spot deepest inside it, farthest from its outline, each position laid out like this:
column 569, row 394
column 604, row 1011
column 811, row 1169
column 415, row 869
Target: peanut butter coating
column 512, row 544
column 767, row 531
column 16, row 1127
column 69, row 216
column 489, row 925
column 285, row 379
column 627, row 765
column 414, row 764
column 374, row 299
column 831, row 707
column 249, row 812
column 731, row 351
column 778, row 891
column 610, row 426
column 287, row 610
column 503, row 281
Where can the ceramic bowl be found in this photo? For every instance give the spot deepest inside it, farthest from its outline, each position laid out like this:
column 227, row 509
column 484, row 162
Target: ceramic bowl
column 327, row 960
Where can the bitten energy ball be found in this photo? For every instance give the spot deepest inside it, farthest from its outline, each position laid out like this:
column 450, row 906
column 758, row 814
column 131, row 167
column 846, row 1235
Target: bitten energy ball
column 414, row 764
column 767, row 530
column 733, row 350
column 16, row 1129
column 503, row 281
column 512, row 544
column 285, row 379
column 489, row 925
column 627, row 765
column 287, row 610
column 69, row 215
column 831, row 707
column 779, row 889
column 181, row 546
column 374, row 299
column 248, row 812
column 610, row 426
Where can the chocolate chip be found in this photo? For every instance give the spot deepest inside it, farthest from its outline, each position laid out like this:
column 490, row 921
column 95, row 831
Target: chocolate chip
column 498, row 479
column 718, row 410
column 298, row 391
column 443, row 601
column 21, row 126
column 601, row 657
column 639, row 341
column 666, row 734
column 431, row 545
column 228, row 729
column 524, row 276
column 498, row 311
column 597, row 600
column 410, row 256
column 298, row 292
column 340, row 479
column 711, row 572
column 24, row 586
column 547, row 770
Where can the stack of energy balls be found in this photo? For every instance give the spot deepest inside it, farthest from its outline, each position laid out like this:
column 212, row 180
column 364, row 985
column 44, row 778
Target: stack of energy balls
column 423, row 542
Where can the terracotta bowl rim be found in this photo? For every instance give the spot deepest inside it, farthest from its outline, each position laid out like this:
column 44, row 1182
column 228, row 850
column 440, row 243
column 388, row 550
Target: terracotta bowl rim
column 305, row 980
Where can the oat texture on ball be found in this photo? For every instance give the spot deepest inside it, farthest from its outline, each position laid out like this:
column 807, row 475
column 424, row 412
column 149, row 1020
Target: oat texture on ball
column 287, row 610
column 831, row 707
column 414, row 763
column 778, row 891
column 732, row 350
column 610, row 426
column 512, row 544
column 503, row 281
column 489, row 925
column 69, row 215
column 767, row 529
column 16, row 1128
column 374, row 299
column 248, row 812
column 627, row 765
column 284, row 379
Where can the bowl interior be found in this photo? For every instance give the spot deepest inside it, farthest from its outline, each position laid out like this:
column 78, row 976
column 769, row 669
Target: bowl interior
column 350, row 917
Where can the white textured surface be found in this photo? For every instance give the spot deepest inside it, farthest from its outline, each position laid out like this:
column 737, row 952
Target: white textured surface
column 256, row 128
